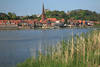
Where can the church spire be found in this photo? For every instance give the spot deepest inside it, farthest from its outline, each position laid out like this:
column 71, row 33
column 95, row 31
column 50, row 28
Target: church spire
column 43, row 10
column 43, row 13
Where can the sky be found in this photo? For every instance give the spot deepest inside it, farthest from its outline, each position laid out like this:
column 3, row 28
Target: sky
column 29, row 7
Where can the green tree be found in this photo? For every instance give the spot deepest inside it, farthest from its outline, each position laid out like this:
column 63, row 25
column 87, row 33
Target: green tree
column 12, row 15
column 4, row 16
column 84, row 15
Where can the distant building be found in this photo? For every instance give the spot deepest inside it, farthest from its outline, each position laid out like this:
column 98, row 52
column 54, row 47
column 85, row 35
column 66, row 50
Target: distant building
column 38, row 15
column 43, row 17
column 81, row 22
column 45, row 20
column 33, row 22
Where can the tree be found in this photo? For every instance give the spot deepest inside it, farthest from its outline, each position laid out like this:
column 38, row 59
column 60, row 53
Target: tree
column 12, row 15
column 4, row 16
column 56, row 14
column 84, row 15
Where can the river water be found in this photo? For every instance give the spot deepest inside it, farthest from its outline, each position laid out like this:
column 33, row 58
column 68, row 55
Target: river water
column 18, row 45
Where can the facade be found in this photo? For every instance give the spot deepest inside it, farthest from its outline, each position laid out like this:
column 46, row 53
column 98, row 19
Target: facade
column 35, row 22
column 81, row 22
column 49, row 21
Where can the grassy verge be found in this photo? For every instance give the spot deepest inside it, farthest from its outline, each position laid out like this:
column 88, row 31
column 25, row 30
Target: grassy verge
column 81, row 51
column 96, row 25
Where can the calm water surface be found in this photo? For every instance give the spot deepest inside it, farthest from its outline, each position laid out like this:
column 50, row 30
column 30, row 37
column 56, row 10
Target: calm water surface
column 18, row 45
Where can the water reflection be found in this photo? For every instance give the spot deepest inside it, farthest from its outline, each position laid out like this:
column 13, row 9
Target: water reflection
column 18, row 45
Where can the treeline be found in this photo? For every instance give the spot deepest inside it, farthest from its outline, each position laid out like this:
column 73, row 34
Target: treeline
column 83, row 15
column 12, row 16
column 78, row 14
column 75, row 15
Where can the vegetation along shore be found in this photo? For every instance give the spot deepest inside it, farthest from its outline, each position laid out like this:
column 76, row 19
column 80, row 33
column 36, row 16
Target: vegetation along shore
column 81, row 51
column 50, row 19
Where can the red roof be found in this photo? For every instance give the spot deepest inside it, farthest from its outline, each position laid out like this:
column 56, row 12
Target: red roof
column 44, row 22
column 62, row 20
column 52, row 19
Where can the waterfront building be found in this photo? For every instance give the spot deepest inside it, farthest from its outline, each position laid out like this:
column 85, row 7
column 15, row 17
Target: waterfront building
column 81, row 22
column 33, row 22
column 49, row 21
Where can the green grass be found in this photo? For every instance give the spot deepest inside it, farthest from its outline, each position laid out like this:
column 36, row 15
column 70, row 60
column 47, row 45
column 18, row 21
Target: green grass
column 81, row 51
column 96, row 25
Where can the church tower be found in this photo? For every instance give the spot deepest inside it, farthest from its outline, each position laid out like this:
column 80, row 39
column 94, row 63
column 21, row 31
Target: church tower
column 43, row 17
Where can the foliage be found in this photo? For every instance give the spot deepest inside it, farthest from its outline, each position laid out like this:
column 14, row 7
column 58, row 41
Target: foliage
column 78, row 14
column 12, row 15
column 56, row 14
column 28, row 17
column 4, row 16
column 81, row 51
column 84, row 15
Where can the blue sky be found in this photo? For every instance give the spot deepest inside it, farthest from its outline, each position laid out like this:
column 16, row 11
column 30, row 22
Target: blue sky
column 29, row 7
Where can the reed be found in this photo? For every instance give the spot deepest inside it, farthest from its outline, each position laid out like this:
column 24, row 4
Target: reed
column 81, row 51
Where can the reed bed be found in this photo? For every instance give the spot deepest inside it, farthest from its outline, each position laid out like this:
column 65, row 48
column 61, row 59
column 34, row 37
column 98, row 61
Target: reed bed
column 81, row 51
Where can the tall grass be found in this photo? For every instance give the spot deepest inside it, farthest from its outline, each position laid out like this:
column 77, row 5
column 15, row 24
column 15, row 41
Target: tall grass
column 81, row 51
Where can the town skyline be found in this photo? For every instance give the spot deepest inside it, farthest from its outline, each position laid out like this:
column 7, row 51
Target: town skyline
column 24, row 8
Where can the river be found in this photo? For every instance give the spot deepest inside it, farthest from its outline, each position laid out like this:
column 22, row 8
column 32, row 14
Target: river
column 18, row 45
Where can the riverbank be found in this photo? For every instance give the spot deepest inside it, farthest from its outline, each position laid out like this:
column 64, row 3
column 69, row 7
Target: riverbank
column 81, row 51
column 28, row 28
